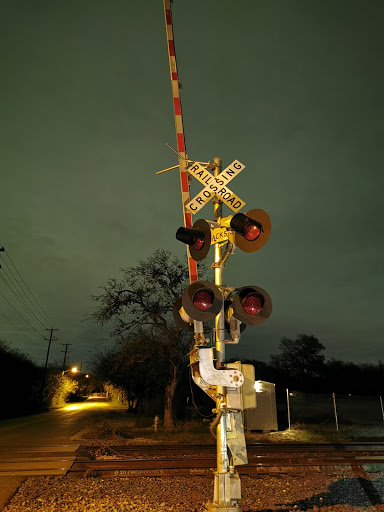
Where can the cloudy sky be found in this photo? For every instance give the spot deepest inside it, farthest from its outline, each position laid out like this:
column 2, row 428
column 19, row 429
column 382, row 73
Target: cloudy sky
column 293, row 89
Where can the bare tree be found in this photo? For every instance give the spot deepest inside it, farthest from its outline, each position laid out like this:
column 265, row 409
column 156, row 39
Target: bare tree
column 141, row 302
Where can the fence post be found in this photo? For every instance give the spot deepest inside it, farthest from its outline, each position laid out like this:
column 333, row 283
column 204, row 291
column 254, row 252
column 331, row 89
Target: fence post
column 381, row 405
column 289, row 411
column 335, row 410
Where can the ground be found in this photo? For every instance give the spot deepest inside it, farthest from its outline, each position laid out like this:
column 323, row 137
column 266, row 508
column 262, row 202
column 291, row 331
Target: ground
column 311, row 492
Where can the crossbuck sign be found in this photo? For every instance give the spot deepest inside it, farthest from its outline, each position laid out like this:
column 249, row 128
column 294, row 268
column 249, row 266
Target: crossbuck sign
column 215, row 187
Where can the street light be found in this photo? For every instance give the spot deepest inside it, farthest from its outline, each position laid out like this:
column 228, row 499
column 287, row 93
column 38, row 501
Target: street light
column 73, row 370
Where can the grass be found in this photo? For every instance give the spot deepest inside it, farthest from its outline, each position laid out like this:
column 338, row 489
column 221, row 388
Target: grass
column 307, row 433
column 197, row 432
column 127, row 432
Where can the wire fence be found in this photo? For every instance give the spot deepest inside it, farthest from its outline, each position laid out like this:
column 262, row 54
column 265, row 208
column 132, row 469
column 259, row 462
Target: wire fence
column 333, row 408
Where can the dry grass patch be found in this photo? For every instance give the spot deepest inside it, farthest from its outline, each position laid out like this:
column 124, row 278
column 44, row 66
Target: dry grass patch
column 126, row 432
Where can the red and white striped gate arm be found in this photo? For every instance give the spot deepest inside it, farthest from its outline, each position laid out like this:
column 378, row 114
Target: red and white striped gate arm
column 185, row 196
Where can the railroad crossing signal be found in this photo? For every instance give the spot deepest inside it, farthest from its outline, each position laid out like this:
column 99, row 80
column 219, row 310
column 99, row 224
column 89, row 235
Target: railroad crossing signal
column 198, row 238
column 249, row 232
column 224, row 383
column 203, row 301
column 252, row 229
column 251, row 305
column 201, row 236
column 215, row 186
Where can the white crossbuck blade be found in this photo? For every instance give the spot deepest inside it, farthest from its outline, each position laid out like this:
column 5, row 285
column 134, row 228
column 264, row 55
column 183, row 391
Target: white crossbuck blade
column 215, row 187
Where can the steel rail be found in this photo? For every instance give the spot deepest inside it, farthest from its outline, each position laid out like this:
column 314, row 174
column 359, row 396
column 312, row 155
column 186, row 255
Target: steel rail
column 200, row 460
column 252, row 447
column 156, row 467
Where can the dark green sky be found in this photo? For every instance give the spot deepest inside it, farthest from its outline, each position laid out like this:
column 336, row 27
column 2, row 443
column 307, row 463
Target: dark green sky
column 293, row 89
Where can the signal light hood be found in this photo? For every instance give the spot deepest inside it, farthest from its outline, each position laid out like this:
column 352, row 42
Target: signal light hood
column 200, row 229
column 196, row 313
column 239, row 312
column 256, row 217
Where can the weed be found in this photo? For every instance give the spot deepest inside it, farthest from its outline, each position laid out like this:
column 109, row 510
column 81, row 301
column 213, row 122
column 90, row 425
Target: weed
column 197, row 432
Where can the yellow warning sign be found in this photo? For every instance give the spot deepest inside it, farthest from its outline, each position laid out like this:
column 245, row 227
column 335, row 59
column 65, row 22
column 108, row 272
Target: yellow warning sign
column 219, row 235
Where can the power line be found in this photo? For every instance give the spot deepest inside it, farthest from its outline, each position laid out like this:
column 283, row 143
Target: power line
column 21, row 300
column 32, row 295
column 26, row 321
column 14, row 325
column 15, row 291
column 16, row 282
column 39, row 307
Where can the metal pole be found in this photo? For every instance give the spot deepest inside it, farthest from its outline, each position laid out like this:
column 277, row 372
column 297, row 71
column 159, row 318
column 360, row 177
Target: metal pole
column 289, row 411
column 335, row 410
column 219, row 320
column 381, row 405
column 222, row 456
column 223, row 495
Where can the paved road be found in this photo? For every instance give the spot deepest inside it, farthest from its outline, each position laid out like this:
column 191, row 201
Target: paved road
column 40, row 444
column 54, row 427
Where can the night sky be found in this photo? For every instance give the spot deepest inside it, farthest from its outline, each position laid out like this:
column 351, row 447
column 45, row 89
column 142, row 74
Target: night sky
column 291, row 88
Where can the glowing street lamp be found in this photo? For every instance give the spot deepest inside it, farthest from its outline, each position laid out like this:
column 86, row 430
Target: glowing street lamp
column 73, row 370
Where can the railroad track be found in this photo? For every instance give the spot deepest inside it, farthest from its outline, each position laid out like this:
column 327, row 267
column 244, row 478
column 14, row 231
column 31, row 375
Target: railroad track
column 201, row 460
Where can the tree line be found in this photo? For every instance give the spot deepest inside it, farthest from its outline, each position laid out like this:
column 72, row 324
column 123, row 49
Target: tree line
column 150, row 355
column 22, row 389
column 147, row 366
column 300, row 365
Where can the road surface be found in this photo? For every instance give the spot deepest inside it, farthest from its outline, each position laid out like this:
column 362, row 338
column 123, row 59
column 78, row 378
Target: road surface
column 41, row 444
column 54, row 427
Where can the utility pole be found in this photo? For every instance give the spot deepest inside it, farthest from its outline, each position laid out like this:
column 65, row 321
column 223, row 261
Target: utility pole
column 66, row 345
column 50, row 339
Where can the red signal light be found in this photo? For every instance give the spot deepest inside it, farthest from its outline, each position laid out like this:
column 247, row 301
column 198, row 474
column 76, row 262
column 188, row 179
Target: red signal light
column 198, row 237
column 198, row 243
column 202, row 300
column 252, row 305
column 251, row 231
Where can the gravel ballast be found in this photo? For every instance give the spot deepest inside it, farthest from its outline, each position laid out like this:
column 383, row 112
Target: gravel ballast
column 310, row 492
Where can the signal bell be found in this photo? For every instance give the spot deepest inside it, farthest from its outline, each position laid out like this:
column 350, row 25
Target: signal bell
column 198, row 238
column 202, row 301
column 251, row 305
column 252, row 229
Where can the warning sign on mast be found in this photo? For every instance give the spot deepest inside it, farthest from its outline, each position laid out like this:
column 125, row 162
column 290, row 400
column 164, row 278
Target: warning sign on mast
column 216, row 187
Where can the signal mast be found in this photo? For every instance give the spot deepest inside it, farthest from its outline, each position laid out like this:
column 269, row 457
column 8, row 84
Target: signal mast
column 230, row 385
